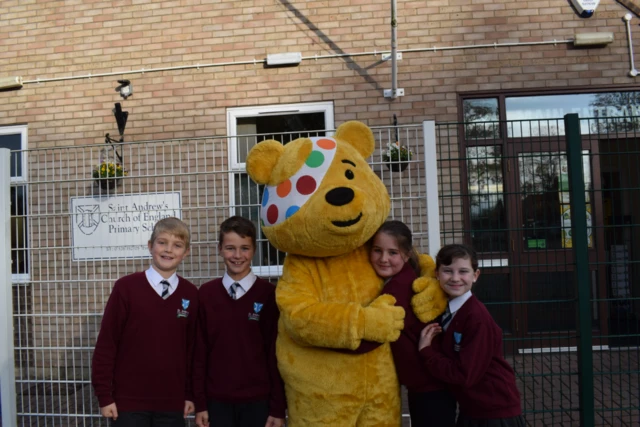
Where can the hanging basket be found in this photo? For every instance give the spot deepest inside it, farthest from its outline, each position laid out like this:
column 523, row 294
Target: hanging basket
column 397, row 166
column 107, row 183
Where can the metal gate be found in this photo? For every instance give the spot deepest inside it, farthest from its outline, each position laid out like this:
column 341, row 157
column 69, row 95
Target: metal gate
column 565, row 297
column 74, row 234
column 533, row 280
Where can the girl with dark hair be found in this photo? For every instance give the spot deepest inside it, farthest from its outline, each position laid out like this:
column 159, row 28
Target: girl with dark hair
column 394, row 259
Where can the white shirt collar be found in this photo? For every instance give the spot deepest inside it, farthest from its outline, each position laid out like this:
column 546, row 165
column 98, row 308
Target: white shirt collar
column 246, row 282
column 155, row 278
column 457, row 302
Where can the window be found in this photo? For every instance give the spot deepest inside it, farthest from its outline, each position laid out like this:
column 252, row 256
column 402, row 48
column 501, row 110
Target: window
column 609, row 112
column 248, row 126
column 481, row 118
column 15, row 139
column 486, row 198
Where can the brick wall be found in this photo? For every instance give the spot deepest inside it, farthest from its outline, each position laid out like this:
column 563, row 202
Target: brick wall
column 41, row 39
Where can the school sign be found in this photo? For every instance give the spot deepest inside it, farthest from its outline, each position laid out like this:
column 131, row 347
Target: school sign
column 118, row 227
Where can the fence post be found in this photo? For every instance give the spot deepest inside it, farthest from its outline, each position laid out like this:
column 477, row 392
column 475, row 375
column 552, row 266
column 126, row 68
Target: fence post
column 7, row 365
column 580, row 246
column 431, row 184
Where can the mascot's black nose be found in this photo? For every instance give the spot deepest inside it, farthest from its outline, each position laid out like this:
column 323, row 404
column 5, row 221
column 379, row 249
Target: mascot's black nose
column 339, row 196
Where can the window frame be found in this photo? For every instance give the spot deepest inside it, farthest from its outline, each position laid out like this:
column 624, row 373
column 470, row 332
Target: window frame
column 21, row 180
column 22, row 131
column 236, row 167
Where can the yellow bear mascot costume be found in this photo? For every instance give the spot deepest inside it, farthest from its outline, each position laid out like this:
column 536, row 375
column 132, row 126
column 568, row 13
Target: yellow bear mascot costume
column 321, row 204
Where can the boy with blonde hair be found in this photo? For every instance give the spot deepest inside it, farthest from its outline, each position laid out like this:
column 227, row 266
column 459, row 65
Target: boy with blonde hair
column 141, row 366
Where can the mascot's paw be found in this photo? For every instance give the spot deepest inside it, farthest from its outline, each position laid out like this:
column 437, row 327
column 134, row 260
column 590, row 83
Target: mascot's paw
column 430, row 300
column 427, row 267
column 383, row 321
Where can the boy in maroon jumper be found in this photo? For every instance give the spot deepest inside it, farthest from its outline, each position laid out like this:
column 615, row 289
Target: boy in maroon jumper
column 235, row 375
column 468, row 354
column 142, row 360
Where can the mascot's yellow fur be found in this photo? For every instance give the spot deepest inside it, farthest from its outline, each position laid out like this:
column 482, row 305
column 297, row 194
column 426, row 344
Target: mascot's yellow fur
column 322, row 203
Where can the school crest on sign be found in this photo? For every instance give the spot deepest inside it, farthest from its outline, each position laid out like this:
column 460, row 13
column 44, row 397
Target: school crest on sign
column 585, row 8
column 88, row 218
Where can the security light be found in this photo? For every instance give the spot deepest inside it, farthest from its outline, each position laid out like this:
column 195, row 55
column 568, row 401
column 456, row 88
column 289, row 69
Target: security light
column 125, row 88
column 592, row 39
column 10, row 83
column 290, row 58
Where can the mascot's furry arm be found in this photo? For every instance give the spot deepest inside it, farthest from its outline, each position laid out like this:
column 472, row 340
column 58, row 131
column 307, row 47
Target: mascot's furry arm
column 311, row 321
column 430, row 300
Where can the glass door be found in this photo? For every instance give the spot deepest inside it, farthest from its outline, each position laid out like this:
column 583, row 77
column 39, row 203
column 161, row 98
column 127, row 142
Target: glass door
column 542, row 243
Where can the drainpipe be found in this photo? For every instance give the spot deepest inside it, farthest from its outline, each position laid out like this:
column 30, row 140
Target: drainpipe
column 394, row 50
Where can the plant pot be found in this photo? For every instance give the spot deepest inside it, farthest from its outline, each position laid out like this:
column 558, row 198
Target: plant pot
column 107, row 183
column 397, row 166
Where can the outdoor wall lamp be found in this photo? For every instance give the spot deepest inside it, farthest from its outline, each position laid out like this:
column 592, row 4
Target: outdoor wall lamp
column 7, row 83
column 125, row 88
column 290, row 58
column 592, row 39
column 121, row 120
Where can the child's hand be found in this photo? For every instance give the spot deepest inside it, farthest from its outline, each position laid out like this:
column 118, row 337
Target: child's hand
column 274, row 422
column 202, row 419
column 110, row 411
column 427, row 334
column 189, row 407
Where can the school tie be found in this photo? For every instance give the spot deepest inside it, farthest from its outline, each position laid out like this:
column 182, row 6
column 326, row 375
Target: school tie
column 446, row 318
column 165, row 289
column 232, row 290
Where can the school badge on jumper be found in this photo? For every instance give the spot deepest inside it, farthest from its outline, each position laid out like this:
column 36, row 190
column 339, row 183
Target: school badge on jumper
column 257, row 306
column 457, row 337
column 184, row 313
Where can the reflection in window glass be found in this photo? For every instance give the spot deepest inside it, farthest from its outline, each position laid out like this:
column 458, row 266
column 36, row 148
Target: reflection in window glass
column 19, row 260
column 486, row 198
column 19, row 248
column 611, row 112
column 544, row 189
column 481, row 118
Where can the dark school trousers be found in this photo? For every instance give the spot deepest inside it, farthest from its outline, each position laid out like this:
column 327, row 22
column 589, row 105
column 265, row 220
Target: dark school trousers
column 247, row 414
column 432, row 409
column 463, row 421
column 149, row 419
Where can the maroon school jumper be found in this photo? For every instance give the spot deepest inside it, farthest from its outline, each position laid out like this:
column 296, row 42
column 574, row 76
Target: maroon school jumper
column 482, row 381
column 142, row 358
column 235, row 356
column 410, row 368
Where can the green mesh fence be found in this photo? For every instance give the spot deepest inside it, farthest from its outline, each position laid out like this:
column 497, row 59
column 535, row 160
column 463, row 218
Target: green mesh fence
column 570, row 314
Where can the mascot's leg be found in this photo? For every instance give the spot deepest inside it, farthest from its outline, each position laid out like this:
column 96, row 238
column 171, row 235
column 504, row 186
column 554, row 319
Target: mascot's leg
column 384, row 410
column 312, row 411
column 383, row 405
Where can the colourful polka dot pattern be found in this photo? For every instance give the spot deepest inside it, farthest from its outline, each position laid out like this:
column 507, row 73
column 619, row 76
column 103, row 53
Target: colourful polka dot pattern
column 283, row 200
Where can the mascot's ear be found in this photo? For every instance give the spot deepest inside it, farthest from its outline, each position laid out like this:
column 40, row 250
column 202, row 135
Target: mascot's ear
column 358, row 135
column 261, row 160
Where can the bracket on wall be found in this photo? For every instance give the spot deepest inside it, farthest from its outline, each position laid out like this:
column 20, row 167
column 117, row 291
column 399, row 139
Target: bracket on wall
column 388, row 93
column 121, row 120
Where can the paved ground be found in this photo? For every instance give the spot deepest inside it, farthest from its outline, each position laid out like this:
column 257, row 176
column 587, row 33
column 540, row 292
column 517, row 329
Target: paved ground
column 548, row 384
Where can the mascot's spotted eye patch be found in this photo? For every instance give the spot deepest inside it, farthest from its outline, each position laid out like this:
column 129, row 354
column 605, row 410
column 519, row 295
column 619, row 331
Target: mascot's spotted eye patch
column 281, row 201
